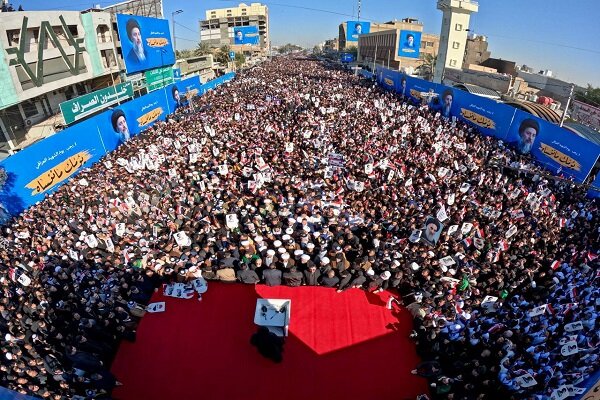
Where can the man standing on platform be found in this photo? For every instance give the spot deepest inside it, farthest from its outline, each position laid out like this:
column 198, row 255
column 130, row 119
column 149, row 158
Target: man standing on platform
column 272, row 276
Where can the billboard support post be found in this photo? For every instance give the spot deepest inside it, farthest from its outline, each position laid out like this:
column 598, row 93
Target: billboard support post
column 564, row 115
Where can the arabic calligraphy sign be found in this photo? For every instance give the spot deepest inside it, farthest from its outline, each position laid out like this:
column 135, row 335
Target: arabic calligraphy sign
column 477, row 119
column 59, row 173
column 159, row 77
column 75, row 109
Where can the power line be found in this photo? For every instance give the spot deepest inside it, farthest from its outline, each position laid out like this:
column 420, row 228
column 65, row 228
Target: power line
column 189, row 29
column 309, row 9
column 547, row 43
column 189, row 40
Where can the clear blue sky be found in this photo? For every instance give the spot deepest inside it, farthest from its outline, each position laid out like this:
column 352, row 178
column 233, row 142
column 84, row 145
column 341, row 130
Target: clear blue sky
column 544, row 34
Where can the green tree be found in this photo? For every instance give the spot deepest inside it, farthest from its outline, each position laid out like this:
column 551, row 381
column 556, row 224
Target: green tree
column 590, row 96
column 240, row 60
column 183, row 54
column 222, row 56
column 427, row 66
column 203, row 48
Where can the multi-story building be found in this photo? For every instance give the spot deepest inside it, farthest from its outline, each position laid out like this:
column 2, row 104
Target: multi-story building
column 374, row 28
column 48, row 57
column 476, row 50
column 381, row 47
column 217, row 29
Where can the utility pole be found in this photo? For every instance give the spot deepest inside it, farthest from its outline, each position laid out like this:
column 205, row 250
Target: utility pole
column 564, row 115
column 173, row 14
column 375, row 56
column 358, row 14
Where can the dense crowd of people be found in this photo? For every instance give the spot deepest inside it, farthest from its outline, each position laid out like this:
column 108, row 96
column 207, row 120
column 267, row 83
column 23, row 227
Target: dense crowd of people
column 297, row 174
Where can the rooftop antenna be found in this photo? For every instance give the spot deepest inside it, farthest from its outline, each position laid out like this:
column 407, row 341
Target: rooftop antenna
column 358, row 14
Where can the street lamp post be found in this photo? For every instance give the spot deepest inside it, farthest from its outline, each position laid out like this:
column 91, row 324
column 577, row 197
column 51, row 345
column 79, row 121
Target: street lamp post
column 173, row 14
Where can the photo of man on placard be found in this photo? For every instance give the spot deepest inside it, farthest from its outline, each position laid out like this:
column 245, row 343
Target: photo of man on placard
column 431, row 231
column 137, row 54
column 119, row 124
column 239, row 36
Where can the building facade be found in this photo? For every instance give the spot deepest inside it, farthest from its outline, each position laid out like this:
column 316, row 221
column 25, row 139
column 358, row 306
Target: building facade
column 381, row 47
column 48, row 57
column 217, row 29
column 453, row 35
column 476, row 50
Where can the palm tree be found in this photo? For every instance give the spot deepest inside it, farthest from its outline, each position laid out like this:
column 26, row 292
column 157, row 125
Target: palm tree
column 427, row 67
column 222, row 56
column 202, row 49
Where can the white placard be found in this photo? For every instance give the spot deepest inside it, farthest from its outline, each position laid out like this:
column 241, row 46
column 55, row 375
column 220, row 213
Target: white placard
column 110, row 245
column 24, row 280
column 73, row 254
column 415, row 236
column 451, row 197
column 574, row 326
column 223, row 169
column 182, row 239
column 488, row 303
column 464, row 187
column 452, row 229
column 511, row 231
column 534, row 312
column 567, row 339
column 289, row 147
column 526, row 381
column 232, row 221
column 466, row 228
column 159, row 306
column 441, row 214
column 120, row 229
column 569, row 348
column 447, row 261
column 368, row 169
column 91, row 241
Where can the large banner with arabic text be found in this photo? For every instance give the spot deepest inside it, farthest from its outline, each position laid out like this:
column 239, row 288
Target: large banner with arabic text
column 88, row 104
column 41, row 168
column 558, row 150
column 145, row 42
column 124, row 122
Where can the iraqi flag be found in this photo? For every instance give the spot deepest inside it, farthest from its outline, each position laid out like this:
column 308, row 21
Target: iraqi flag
column 126, row 256
column 562, row 222
column 503, row 245
column 555, row 264
column 467, row 243
column 591, row 256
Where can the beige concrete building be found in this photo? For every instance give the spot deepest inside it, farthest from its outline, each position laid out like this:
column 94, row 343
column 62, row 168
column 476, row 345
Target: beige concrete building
column 217, row 29
column 381, row 47
column 453, row 36
column 476, row 50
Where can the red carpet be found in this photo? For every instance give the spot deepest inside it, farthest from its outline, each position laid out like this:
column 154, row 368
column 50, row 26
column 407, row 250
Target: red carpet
column 341, row 346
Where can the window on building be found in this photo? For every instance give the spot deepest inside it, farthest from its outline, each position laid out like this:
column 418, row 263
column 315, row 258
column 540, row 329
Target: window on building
column 423, row 44
column 73, row 30
column 13, row 36
column 429, row 44
column 453, row 63
column 103, row 34
column 458, row 27
column 455, row 45
column 29, row 108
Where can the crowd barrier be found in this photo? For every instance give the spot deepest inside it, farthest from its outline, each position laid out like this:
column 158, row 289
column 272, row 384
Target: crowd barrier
column 43, row 167
column 560, row 151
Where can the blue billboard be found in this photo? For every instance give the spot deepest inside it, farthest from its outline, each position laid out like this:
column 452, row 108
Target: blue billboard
column 492, row 118
column 356, row 28
column 180, row 93
column 145, row 42
column 346, row 57
column 246, row 35
column 557, row 149
column 124, row 122
column 42, row 168
column 409, row 44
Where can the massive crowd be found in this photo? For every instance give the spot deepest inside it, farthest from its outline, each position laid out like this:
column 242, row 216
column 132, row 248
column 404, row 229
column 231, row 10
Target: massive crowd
column 298, row 174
